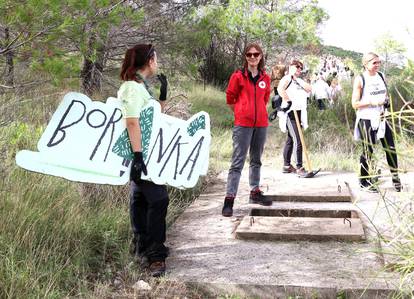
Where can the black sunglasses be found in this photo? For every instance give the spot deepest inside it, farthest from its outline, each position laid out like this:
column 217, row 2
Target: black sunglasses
column 256, row 54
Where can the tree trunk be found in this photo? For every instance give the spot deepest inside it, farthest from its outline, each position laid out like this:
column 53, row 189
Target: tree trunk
column 92, row 70
column 9, row 75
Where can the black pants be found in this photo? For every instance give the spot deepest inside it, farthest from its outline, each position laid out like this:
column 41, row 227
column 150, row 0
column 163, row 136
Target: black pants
column 368, row 136
column 148, row 210
column 321, row 104
column 293, row 140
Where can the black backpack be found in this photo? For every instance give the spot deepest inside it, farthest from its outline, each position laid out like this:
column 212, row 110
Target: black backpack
column 277, row 104
column 277, row 100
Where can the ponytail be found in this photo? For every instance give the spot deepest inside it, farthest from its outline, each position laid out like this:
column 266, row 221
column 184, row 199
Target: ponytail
column 135, row 59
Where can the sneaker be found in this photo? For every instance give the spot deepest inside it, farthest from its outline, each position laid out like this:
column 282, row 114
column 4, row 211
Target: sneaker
column 256, row 196
column 289, row 169
column 157, row 269
column 228, row 206
column 301, row 171
column 397, row 183
column 368, row 187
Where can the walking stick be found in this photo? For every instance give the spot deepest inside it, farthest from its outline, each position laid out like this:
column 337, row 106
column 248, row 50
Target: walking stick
column 310, row 173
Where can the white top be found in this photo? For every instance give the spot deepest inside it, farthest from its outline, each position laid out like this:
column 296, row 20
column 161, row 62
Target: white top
column 297, row 94
column 335, row 90
column 321, row 89
column 134, row 96
column 344, row 75
column 376, row 90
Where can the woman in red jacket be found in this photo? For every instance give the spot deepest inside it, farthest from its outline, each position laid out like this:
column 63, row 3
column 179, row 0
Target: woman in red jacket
column 247, row 95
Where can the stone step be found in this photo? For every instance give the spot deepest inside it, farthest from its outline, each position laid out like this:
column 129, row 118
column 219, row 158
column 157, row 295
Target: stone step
column 300, row 228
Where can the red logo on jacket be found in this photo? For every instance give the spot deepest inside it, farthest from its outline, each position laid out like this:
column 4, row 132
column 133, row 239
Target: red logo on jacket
column 262, row 84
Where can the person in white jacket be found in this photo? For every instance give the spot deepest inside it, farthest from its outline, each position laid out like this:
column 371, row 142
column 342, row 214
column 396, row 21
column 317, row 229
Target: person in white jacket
column 294, row 92
column 321, row 91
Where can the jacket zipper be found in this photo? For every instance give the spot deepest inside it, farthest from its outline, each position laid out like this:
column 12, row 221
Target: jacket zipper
column 255, row 110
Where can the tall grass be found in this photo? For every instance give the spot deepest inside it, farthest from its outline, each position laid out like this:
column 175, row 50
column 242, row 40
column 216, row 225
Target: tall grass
column 399, row 248
column 60, row 238
column 66, row 239
column 53, row 241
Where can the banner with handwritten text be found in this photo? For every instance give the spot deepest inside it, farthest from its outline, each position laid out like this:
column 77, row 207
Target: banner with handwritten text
column 87, row 141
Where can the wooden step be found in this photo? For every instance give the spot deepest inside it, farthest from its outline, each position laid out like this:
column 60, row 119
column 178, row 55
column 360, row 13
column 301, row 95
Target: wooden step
column 314, row 211
column 324, row 197
column 300, row 228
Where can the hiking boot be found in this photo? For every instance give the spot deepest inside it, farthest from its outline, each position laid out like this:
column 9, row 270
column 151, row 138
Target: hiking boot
column 289, row 169
column 157, row 269
column 228, row 206
column 301, row 171
column 397, row 183
column 256, row 196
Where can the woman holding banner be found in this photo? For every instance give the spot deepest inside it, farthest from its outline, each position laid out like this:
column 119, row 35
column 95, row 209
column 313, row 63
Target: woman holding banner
column 148, row 201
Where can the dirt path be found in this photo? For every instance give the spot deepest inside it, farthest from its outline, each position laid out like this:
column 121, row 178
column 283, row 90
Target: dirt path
column 205, row 252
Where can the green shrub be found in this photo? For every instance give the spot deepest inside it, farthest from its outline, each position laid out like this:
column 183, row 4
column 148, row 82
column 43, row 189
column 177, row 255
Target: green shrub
column 212, row 101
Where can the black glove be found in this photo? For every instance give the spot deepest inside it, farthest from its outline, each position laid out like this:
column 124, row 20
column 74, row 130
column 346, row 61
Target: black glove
column 387, row 103
column 273, row 115
column 163, row 88
column 288, row 107
column 138, row 167
column 276, row 101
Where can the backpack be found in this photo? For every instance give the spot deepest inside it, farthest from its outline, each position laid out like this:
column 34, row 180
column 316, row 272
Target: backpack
column 277, row 99
column 277, row 104
column 387, row 103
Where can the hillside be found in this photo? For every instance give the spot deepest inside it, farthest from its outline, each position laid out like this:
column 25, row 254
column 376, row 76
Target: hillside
column 64, row 239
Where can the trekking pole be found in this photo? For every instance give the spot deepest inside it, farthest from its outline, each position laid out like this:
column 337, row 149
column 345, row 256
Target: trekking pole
column 310, row 172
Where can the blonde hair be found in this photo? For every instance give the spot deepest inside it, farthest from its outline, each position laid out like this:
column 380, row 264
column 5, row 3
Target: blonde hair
column 368, row 57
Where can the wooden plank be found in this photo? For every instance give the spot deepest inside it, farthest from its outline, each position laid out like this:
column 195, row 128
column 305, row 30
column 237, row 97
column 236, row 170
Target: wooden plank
column 273, row 211
column 326, row 197
column 300, row 228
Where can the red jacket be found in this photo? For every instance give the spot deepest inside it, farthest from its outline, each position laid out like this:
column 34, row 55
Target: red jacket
column 249, row 99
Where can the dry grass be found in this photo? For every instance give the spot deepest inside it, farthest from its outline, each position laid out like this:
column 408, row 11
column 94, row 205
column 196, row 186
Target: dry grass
column 61, row 238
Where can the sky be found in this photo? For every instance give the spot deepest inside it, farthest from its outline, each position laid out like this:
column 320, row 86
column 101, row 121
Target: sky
column 355, row 24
